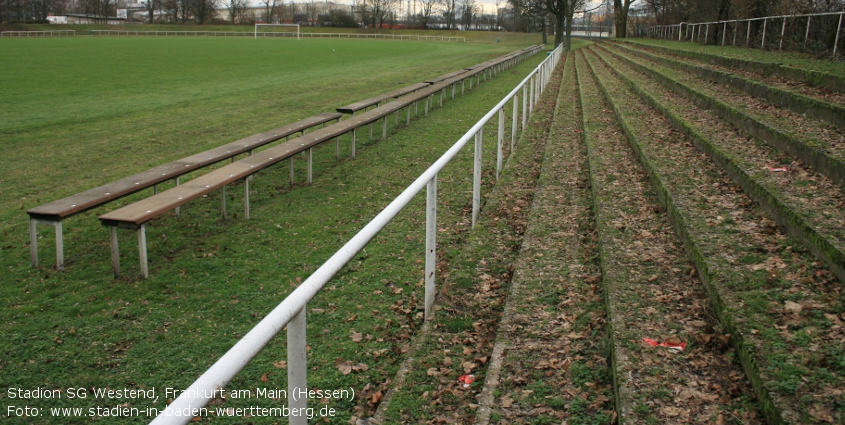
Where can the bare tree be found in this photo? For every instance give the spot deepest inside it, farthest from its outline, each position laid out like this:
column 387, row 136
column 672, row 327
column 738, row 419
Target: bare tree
column 468, row 8
column 449, row 13
column 236, row 9
column 270, row 7
column 620, row 16
column 427, row 8
column 203, row 10
column 376, row 12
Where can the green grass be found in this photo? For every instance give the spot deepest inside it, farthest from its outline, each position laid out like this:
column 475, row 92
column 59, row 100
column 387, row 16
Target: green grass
column 213, row 279
column 790, row 59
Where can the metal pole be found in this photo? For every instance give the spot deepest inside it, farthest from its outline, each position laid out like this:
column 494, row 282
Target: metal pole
column 807, row 34
column 499, row 142
column 724, row 33
column 763, row 44
column 514, row 123
column 524, row 106
column 748, row 35
column 430, row 245
column 297, row 368
column 782, row 32
column 838, row 29
column 246, row 198
column 476, row 178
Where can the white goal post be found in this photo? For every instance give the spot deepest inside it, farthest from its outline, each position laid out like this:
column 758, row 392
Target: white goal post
column 277, row 25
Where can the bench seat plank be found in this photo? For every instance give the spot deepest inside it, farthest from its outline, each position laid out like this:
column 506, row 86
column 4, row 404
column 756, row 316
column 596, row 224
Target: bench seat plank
column 75, row 204
column 366, row 103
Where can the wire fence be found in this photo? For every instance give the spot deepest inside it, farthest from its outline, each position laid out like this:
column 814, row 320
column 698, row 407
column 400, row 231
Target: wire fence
column 816, row 32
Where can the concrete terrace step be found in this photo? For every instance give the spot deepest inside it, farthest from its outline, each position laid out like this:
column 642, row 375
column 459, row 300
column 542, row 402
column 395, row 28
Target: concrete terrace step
column 759, row 280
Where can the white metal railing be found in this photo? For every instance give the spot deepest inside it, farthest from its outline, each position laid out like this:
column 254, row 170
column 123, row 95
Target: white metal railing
column 672, row 31
column 56, row 33
column 276, row 34
column 291, row 311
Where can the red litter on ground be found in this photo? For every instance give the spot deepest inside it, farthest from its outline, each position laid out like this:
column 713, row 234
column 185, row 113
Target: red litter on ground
column 466, row 380
column 675, row 347
column 778, row 169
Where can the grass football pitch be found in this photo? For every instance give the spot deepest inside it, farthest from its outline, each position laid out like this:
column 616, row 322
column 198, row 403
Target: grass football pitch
column 80, row 112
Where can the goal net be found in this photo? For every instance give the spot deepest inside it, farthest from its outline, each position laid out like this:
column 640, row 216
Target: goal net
column 266, row 31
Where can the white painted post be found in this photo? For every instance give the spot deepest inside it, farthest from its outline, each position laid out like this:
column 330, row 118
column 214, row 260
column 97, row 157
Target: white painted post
column 807, row 34
column 353, row 143
column 115, row 251
column 33, row 241
column 499, row 142
column 838, row 29
column 384, row 128
column 524, row 106
column 748, row 35
column 782, row 32
column 246, row 197
column 297, row 368
column 763, row 44
column 310, row 167
column 430, row 245
column 408, row 120
column 60, row 250
column 476, row 178
column 514, row 123
column 531, row 102
column 142, row 251
column 724, row 32
column 736, row 30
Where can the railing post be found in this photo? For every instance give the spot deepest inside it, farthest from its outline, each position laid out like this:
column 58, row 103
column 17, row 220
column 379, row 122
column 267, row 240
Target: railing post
column 524, row 106
column 297, row 368
column 782, row 32
column 514, row 123
column 807, row 34
column 476, row 178
column 499, row 141
column 763, row 44
column 838, row 29
column 748, row 35
column 430, row 245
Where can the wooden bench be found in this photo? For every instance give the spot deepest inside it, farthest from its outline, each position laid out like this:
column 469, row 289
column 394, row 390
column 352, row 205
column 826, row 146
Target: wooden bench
column 137, row 215
column 55, row 212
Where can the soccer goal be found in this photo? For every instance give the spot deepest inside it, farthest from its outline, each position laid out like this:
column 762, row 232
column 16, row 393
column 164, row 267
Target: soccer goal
column 273, row 34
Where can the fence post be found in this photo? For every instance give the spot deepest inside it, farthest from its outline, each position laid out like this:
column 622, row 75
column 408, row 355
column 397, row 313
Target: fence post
column 748, row 35
column 514, row 123
column 430, row 245
column 807, row 34
column 476, row 178
column 782, row 32
column 297, row 368
column 763, row 44
column 524, row 106
column 838, row 28
column 499, row 142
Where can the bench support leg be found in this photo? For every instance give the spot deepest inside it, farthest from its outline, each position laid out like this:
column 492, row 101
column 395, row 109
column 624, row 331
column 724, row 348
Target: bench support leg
column 33, row 241
column 442, row 95
column 142, row 251
column 463, row 86
column 353, row 142
column 115, row 251
column 408, row 120
column 223, row 200
column 246, row 197
column 310, row 167
column 292, row 181
column 426, row 105
column 396, row 118
column 60, row 248
column 384, row 129
column 178, row 209
column 453, row 91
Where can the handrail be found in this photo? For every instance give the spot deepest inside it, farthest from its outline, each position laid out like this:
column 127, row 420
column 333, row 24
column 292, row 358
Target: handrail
column 290, row 312
column 668, row 31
